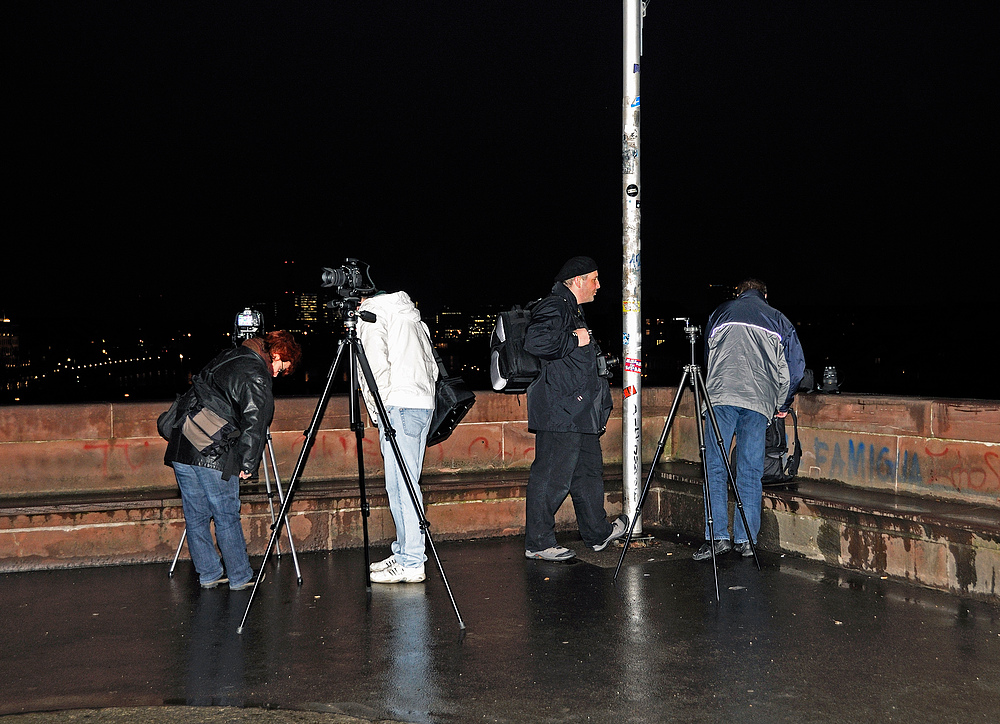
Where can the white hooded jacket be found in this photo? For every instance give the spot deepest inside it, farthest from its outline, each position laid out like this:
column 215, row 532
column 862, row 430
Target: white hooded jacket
column 398, row 347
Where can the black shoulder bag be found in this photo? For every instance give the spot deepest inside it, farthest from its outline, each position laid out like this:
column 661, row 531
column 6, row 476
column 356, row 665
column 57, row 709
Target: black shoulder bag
column 452, row 401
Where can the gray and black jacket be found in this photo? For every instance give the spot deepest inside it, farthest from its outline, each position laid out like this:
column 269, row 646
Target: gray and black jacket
column 753, row 356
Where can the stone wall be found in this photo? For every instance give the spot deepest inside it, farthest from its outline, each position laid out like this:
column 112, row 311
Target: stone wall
column 947, row 449
column 86, row 484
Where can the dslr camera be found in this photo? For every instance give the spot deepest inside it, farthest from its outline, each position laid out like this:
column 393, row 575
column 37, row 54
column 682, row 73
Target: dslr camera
column 249, row 324
column 351, row 280
column 606, row 362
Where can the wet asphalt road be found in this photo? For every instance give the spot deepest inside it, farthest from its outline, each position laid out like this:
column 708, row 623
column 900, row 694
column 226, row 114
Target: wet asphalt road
column 797, row 641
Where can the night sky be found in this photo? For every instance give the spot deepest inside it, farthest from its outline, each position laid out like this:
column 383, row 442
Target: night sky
column 168, row 157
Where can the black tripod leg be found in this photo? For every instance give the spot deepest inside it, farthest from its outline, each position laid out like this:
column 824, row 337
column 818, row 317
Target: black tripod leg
column 729, row 469
column 310, row 438
column 390, row 435
column 649, row 477
column 359, row 434
column 695, row 380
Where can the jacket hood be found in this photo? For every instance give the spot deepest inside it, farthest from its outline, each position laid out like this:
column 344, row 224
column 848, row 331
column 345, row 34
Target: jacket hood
column 394, row 303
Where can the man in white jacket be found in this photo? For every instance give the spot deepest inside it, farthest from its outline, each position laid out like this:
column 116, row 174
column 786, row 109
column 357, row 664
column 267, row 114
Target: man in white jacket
column 398, row 348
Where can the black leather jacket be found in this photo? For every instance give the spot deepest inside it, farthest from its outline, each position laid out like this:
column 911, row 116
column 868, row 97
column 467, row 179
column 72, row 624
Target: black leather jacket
column 236, row 385
column 568, row 395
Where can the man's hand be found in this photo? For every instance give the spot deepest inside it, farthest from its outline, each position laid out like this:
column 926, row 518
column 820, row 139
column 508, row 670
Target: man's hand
column 244, row 475
column 779, row 413
column 582, row 336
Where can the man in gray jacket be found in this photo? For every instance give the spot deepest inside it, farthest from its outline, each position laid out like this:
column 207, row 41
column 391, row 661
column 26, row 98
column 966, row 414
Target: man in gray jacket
column 755, row 364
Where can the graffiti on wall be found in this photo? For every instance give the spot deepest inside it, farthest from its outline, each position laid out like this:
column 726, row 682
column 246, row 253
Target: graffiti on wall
column 857, row 460
column 969, row 468
column 964, row 469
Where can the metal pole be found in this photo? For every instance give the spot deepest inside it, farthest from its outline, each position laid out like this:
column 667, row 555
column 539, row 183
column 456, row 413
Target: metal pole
column 631, row 264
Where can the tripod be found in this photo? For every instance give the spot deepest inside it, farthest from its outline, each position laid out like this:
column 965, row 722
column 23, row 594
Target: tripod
column 270, row 502
column 692, row 374
column 355, row 357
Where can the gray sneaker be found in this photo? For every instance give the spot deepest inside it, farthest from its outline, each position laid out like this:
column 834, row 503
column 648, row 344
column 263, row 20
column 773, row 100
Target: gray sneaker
column 555, row 553
column 618, row 529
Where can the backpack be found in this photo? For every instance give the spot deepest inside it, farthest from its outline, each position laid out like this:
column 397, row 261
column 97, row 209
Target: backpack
column 512, row 369
column 779, row 465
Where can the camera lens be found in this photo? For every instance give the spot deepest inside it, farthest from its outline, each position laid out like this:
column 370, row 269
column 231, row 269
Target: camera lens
column 334, row 277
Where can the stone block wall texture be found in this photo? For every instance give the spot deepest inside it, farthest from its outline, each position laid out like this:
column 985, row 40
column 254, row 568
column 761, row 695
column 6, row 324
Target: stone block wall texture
column 947, row 449
column 56, row 461
column 944, row 449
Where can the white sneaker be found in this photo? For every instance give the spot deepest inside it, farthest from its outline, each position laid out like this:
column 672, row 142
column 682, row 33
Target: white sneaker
column 382, row 565
column 395, row 573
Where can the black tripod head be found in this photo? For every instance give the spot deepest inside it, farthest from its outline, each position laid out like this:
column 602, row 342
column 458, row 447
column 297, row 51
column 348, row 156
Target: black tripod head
column 690, row 330
column 347, row 310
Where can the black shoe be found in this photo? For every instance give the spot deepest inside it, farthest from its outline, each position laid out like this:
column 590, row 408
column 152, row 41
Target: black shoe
column 744, row 549
column 705, row 552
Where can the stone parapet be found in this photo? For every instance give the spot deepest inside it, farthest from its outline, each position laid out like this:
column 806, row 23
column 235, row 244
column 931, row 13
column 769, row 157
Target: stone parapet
column 946, row 545
column 86, row 484
column 946, row 449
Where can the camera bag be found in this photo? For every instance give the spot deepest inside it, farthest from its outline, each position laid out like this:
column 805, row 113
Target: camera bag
column 172, row 417
column 453, row 399
column 209, row 432
column 780, row 465
column 512, row 368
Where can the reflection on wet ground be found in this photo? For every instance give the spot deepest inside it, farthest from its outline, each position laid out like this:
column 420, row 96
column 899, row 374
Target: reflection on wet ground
column 545, row 642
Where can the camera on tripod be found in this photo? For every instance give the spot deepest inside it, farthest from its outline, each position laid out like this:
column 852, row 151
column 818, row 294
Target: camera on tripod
column 352, row 280
column 249, row 324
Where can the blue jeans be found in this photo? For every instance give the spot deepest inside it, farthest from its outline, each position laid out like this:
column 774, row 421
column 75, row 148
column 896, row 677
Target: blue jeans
column 749, row 428
column 206, row 496
column 411, row 425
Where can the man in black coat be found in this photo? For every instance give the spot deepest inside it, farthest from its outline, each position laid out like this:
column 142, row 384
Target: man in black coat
column 568, row 408
column 217, row 440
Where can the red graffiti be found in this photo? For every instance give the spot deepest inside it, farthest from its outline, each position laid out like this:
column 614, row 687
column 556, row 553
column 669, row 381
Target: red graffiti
column 108, row 447
column 968, row 475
